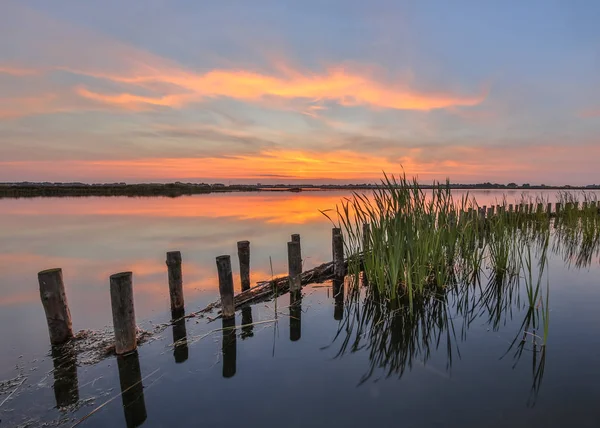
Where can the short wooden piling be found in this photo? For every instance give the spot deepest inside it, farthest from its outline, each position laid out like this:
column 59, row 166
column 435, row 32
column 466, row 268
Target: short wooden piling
column 294, row 265
column 366, row 236
column 510, row 208
column 123, row 312
column 540, row 208
column 557, row 208
column 339, row 269
column 549, row 209
column 295, row 237
column 243, row 248
column 226, row 286
column 175, row 280
column 54, row 300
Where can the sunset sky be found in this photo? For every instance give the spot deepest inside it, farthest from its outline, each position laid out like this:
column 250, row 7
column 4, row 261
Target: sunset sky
column 300, row 91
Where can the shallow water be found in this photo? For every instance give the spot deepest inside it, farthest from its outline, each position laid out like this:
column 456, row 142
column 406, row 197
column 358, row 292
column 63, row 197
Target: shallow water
column 462, row 376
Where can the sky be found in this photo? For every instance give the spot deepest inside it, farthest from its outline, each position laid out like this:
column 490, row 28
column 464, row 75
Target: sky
column 312, row 91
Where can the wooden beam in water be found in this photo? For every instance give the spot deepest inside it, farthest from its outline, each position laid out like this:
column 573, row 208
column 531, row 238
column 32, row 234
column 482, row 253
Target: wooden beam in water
column 54, row 300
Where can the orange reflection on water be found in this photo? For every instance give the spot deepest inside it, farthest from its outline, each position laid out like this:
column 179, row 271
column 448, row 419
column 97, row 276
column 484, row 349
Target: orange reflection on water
column 270, row 207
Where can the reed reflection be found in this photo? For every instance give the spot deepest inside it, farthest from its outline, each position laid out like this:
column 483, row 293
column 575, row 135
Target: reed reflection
column 229, row 347
column 295, row 315
column 132, row 389
column 66, row 387
column 180, row 343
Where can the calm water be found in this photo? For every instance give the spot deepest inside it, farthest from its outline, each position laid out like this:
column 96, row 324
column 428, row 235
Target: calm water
column 313, row 368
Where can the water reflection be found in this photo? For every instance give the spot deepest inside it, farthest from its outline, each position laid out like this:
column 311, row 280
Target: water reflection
column 180, row 344
column 132, row 389
column 295, row 315
column 66, row 388
column 338, row 298
column 247, row 323
column 229, row 347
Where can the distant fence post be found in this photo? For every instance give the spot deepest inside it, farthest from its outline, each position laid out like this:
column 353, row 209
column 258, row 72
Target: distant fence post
column 557, row 208
column 54, row 300
column 123, row 312
column 510, row 208
column 175, row 280
column 366, row 237
column 339, row 270
column 549, row 209
column 294, row 265
column 226, row 286
column 243, row 248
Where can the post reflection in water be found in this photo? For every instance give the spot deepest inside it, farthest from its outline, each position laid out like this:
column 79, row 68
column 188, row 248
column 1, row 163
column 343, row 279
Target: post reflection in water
column 247, row 327
column 180, row 344
column 132, row 390
column 229, row 347
column 295, row 315
column 338, row 297
column 66, row 388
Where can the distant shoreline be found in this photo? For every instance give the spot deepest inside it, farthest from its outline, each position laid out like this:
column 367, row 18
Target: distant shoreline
column 25, row 190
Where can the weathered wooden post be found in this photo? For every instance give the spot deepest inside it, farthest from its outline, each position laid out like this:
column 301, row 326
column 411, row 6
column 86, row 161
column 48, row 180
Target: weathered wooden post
column 295, row 237
column 123, row 312
column 540, row 208
column 492, row 210
column 243, row 248
column 510, row 208
column 339, row 270
column 226, row 286
column 366, row 236
column 54, row 300
column 294, row 265
column 531, row 208
column 549, row 209
column 175, row 280
column 557, row 208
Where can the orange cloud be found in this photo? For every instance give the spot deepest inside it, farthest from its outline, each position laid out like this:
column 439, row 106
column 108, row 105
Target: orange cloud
column 337, row 85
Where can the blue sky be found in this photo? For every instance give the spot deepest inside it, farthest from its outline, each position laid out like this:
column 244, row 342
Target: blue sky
column 319, row 91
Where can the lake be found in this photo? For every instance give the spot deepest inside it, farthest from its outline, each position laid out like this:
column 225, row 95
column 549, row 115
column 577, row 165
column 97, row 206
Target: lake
column 307, row 365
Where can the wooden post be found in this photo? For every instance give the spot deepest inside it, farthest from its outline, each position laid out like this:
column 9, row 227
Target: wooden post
column 366, row 236
column 557, row 208
column 243, row 248
column 294, row 265
column 54, row 300
column 123, row 312
column 531, row 208
column 339, row 270
column 175, row 280
column 295, row 237
column 549, row 209
column 492, row 210
column 510, row 208
column 226, row 286
column 540, row 208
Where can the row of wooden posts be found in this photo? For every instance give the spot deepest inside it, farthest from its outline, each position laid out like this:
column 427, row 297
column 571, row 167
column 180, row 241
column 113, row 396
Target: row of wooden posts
column 58, row 315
